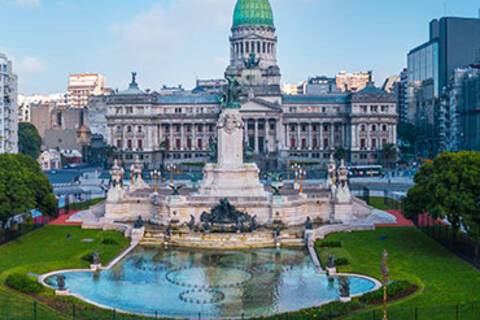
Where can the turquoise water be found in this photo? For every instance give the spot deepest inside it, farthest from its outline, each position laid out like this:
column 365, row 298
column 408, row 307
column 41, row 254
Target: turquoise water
column 217, row 284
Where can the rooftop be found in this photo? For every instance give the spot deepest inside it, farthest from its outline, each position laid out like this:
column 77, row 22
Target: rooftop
column 253, row 12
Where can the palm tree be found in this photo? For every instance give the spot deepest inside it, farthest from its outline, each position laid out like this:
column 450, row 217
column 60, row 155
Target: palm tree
column 389, row 154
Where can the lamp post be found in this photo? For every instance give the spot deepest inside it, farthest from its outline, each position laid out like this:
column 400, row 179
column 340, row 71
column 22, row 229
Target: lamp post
column 385, row 273
column 172, row 168
column 155, row 176
column 302, row 173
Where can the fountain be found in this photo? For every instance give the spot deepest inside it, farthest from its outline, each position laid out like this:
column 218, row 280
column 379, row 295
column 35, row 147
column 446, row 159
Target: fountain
column 231, row 179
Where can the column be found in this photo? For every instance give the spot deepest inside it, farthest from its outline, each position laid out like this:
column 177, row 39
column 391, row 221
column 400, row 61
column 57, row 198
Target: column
column 320, row 136
column 256, row 136
column 267, row 136
column 245, row 132
column 310, row 143
column 299, row 140
column 332, row 136
column 194, row 136
column 159, row 134
column 172, row 142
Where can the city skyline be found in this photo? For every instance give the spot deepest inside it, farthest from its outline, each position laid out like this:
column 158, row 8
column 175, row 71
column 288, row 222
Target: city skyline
column 114, row 40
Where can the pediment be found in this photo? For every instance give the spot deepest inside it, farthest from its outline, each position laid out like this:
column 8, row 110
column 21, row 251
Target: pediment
column 259, row 105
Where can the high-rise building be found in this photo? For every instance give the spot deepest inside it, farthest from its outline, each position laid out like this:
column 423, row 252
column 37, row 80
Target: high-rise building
column 82, row 86
column 353, row 82
column 8, row 107
column 454, row 43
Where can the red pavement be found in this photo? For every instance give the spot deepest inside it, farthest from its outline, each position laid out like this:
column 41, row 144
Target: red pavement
column 62, row 219
column 401, row 220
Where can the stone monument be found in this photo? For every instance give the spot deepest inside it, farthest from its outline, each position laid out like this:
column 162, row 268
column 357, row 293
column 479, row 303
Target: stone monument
column 230, row 176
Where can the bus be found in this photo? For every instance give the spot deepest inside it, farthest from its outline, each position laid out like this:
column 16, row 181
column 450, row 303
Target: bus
column 365, row 171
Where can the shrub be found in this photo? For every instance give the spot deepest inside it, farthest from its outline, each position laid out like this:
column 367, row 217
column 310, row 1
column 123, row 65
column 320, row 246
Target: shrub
column 395, row 289
column 23, row 283
column 109, row 242
column 88, row 257
column 326, row 312
column 330, row 244
column 341, row 262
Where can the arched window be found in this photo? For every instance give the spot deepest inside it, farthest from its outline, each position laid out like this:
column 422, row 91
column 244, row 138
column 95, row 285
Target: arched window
column 129, row 129
column 362, row 128
column 374, row 127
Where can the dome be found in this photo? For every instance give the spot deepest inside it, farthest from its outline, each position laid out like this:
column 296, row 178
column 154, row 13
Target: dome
column 252, row 12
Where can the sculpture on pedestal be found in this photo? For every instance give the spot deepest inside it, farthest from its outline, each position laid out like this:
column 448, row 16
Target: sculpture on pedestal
column 225, row 214
column 343, row 194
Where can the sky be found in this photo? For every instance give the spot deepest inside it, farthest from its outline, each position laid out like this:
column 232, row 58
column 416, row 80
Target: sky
column 171, row 42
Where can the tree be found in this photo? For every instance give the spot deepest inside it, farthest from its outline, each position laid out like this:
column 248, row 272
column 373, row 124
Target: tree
column 389, row 154
column 29, row 141
column 23, row 186
column 407, row 134
column 448, row 188
column 340, row 153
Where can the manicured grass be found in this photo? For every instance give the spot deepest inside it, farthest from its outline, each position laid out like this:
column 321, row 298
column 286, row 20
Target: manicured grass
column 379, row 203
column 47, row 249
column 444, row 279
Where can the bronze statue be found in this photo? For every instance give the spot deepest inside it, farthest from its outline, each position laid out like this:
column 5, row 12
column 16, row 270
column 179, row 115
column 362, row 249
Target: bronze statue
column 231, row 98
column 344, row 289
column 252, row 62
column 61, row 282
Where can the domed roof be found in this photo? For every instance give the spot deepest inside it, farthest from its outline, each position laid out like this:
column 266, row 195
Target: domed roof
column 252, row 12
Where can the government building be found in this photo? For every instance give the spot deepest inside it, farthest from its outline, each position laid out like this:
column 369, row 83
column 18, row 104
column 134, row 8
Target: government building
column 180, row 125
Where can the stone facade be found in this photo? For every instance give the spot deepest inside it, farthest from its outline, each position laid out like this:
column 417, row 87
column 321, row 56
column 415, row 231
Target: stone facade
column 181, row 126
column 8, row 107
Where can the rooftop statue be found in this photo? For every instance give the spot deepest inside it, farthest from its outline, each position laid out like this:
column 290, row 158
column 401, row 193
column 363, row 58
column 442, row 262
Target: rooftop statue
column 231, row 98
column 252, row 61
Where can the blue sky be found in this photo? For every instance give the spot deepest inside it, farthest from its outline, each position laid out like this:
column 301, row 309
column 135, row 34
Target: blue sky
column 170, row 42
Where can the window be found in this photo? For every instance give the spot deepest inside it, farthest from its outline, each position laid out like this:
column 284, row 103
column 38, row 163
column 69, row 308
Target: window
column 292, row 127
column 374, row 143
column 363, row 109
column 362, row 128
column 140, row 144
column 178, row 144
column 374, row 128
column 314, row 143
column 210, row 128
column 263, row 47
column 129, row 129
column 119, row 144
column 325, row 143
column 129, row 110
column 362, row 143
column 374, row 109
column 304, row 127
column 272, row 126
column 199, row 144
column 384, row 108
column 325, row 127
column 139, row 129
column 189, row 143
column 384, row 127
column 129, row 144
column 384, row 142
column 199, row 128
column 177, row 128
column 304, row 143
column 293, row 143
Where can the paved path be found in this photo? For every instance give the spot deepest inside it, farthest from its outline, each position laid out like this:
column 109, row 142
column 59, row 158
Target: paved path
column 401, row 220
column 62, row 219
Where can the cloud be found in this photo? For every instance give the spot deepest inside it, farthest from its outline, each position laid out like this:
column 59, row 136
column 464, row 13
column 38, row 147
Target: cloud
column 23, row 3
column 172, row 42
column 31, row 65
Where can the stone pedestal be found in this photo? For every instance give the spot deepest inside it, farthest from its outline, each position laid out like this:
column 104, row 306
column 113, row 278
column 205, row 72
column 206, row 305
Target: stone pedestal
column 331, row 271
column 224, row 182
column 345, row 299
column 95, row 267
column 62, row 293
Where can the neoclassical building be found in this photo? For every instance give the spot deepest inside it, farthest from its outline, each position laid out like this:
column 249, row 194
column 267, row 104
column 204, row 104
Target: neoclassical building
column 180, row 126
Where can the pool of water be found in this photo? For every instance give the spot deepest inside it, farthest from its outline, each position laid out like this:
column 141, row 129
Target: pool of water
column 217, row 284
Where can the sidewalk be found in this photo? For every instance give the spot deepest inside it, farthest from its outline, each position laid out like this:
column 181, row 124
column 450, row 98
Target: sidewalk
column 401, row 220
column 62, row 219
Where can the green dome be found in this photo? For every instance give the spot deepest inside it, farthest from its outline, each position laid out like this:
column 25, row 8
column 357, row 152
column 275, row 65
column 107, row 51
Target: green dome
column 252, row 12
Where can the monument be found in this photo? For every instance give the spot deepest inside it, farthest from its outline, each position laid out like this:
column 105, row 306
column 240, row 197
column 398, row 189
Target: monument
column 231, row 190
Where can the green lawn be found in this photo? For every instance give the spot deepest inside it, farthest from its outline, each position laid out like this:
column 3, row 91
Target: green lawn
column 444, row 279
column 47, row 249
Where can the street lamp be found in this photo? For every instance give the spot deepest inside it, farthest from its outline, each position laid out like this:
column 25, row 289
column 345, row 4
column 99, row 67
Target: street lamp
column 297, row 173
column 385, row 274
column 302, row 174
column 172, row 168
column 155, row 176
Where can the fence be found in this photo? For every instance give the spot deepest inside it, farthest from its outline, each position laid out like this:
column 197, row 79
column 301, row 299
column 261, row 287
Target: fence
column 469, row 311
column 459, row 243
column 19, row 308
